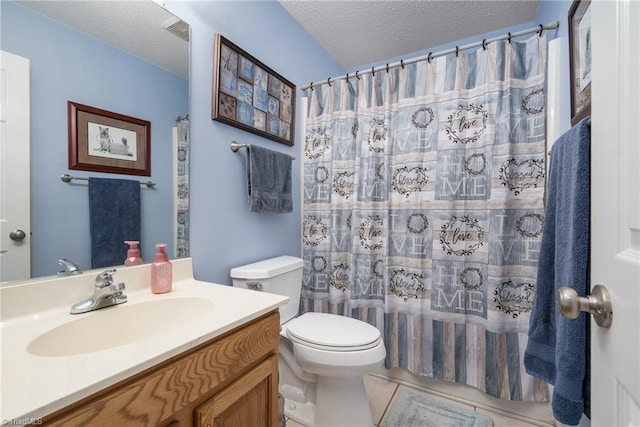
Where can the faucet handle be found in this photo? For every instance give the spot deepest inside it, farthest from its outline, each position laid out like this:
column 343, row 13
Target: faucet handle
column 105, row 278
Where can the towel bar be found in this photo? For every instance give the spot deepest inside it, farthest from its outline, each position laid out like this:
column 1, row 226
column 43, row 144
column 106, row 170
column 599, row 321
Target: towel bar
column 67, row 178
column 235, row 146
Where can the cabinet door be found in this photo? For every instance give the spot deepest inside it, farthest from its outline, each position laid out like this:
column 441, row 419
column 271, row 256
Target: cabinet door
column 251, row 400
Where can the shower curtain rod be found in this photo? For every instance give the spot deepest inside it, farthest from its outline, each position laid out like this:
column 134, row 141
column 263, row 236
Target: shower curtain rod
column 431, row 55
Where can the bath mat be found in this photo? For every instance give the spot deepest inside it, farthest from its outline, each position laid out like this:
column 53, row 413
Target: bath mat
column 410, row 409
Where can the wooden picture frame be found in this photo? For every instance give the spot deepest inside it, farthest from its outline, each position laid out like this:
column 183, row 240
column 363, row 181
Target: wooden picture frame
column 103, row 141
column 580, row 59
column 251, row 96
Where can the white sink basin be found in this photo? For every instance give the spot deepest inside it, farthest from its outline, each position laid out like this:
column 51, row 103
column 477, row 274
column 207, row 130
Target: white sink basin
column 119, row 325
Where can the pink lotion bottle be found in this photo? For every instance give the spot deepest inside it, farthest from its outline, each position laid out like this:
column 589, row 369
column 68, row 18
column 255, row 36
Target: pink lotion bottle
column 133, row 254
column 161, row 274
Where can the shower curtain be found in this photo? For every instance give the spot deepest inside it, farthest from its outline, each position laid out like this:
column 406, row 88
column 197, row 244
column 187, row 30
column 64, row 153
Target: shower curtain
column 182, row 196
column 423, row 210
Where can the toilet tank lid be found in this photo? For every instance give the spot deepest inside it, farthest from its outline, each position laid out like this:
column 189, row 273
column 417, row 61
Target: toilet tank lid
column 267, row 268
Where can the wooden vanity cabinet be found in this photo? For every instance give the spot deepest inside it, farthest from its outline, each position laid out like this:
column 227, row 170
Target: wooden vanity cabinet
column 231, row 380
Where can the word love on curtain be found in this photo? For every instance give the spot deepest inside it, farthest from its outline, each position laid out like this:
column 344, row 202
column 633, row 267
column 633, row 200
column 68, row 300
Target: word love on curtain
column 423, row 210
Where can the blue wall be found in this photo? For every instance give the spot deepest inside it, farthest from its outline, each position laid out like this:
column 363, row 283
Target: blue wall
column 68, row 65
column 224, row 234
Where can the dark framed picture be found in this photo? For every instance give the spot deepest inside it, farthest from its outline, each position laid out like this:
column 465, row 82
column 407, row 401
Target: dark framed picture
column 580, row 59
column 103, row 141
column 251, row 96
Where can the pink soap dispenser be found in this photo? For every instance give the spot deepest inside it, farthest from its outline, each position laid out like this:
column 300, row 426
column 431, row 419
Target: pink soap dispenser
column 161, row 274
column 133, row 254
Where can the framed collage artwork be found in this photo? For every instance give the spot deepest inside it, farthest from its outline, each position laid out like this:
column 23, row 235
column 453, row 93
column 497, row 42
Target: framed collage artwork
column 251, row 96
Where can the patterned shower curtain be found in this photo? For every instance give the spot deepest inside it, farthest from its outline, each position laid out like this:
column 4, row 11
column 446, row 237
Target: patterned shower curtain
column 182, row 197
column 423, row 210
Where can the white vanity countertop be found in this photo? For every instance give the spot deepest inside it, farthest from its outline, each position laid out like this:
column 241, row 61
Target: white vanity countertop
column 35, row 386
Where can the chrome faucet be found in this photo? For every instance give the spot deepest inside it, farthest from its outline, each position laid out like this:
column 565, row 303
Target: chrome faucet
column 105, row 294
column 68, row 268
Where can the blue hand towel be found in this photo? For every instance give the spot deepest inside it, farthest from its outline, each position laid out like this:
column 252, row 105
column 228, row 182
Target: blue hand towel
column 558, row 348
column 269, row 180
column 114, row 216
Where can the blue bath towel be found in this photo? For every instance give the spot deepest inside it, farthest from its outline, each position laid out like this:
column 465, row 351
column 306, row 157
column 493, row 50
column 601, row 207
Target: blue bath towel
column 269, row 180
column 558, row 348
column 114, row 216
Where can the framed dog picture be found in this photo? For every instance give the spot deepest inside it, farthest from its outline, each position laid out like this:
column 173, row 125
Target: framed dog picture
column 103, row 141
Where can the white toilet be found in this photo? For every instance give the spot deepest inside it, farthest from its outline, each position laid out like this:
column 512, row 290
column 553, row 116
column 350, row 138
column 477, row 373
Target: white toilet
column 323, row 357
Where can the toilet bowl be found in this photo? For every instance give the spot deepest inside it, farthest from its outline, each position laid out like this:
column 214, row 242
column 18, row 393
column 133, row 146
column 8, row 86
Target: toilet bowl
column 323, row 357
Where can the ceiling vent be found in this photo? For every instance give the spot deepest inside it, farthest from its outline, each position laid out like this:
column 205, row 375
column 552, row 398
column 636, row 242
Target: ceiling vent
column 177, row 27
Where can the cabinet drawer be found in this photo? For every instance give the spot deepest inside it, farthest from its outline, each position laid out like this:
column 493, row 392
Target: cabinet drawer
column 153, row 396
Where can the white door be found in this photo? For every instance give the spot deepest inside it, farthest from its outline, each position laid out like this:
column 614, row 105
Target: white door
column 615, row 209
column 15, row 186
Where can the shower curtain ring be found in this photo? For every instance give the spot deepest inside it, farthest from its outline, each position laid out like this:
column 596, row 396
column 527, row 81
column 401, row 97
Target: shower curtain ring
column 402, row 64
column 429, row 58
column 373, row 72
column 509, row 38
column 387, row 68
column 357, row 76
column 311, row 85
column 484, row 44
column 540, row 32
column 347, row 77
column 457, row 49
column 329, row 81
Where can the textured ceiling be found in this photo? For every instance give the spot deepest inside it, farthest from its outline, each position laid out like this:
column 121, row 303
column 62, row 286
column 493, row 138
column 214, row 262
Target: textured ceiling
column 132, row 26
column 354, row 32
column 357, row 33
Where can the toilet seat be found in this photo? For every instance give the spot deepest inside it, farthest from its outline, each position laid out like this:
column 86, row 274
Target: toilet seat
column 331, row 332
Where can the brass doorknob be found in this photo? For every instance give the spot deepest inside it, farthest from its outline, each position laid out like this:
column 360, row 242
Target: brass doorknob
column 598, row 304
column 17, row 235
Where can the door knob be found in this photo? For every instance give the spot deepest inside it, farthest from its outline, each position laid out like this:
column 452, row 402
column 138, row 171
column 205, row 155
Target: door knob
column 17, row 235
column 598, row 304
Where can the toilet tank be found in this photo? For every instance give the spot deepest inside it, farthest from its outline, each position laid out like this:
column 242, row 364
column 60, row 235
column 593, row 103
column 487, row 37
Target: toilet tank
column 281, row 275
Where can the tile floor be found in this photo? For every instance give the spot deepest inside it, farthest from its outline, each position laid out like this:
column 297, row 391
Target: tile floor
column 382, row 391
